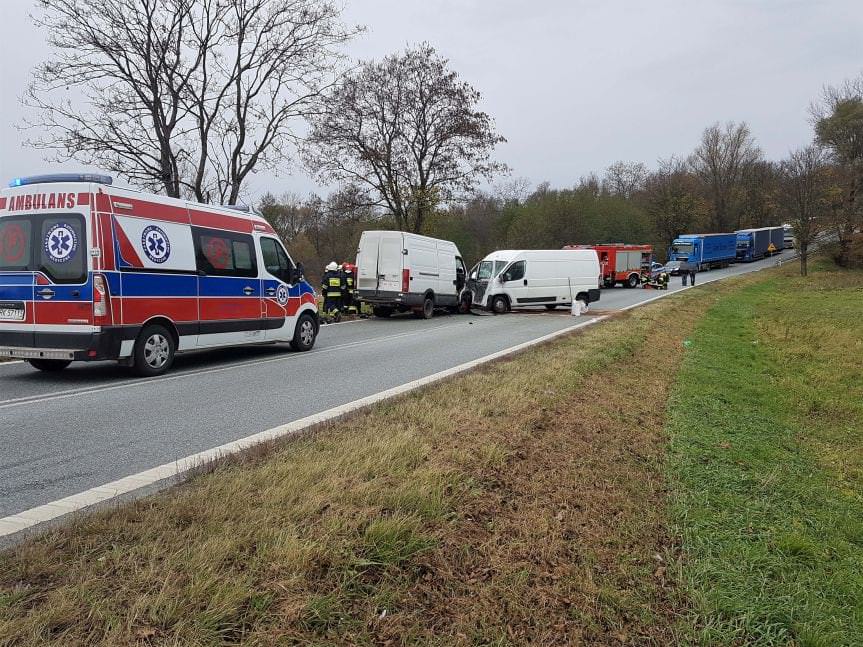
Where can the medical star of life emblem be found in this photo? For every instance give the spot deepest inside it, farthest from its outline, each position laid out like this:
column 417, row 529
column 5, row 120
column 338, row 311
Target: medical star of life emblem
column 156, row 245
column 282, row 295
column 61, row 242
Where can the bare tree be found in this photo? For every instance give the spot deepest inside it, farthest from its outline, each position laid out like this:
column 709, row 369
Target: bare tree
column 673, row 200
column 407, row 130
column 721, row 161
column 289, row 215
column 624, row 178
column 804, row 196
column 838, row 122
column 185, row 96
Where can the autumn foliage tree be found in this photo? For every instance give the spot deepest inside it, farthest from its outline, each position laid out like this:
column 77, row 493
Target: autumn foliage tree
column 406, row 130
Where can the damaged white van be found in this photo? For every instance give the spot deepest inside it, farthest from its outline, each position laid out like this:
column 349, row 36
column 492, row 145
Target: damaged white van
column 507, row 279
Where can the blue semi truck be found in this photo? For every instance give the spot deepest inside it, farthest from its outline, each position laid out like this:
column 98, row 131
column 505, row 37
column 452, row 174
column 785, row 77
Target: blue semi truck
column 704, row 251
column 754, row 244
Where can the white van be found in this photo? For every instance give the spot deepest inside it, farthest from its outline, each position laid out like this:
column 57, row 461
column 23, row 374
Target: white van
column 399, row 271
column 535, row 277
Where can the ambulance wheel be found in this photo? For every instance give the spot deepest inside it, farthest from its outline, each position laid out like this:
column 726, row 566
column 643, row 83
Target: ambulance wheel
column 304, row 334
column 49, row 365
column 500, row 304
column 382, row 311
column 551, row 306
column 154, row 351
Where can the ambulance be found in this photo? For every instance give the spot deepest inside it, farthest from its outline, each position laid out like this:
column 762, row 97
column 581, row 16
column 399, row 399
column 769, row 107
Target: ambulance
column 89, row 271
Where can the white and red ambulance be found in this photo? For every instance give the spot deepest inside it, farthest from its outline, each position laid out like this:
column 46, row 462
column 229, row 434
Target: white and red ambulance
column 89, row 271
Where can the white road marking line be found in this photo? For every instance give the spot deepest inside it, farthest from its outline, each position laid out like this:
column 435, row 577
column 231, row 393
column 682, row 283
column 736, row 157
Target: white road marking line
column 10, row 363
column 68, row 393
column 28, row 519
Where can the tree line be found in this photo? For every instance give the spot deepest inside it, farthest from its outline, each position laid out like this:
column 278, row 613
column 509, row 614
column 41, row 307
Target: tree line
column 193, row 97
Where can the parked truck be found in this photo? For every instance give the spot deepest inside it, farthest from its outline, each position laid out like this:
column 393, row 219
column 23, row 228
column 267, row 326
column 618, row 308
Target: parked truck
column 704, row 251
column 755, row 244
column 621, row 263
column 788, row 236
column 777, row 239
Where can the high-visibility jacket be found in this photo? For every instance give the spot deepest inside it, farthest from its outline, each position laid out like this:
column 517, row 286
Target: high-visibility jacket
column 332, row 284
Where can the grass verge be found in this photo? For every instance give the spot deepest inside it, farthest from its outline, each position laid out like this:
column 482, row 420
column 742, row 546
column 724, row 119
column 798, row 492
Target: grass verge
column 767, row 461
column 522, row 503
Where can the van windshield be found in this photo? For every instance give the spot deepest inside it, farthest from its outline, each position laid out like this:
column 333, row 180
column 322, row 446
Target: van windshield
column 53, row 244
column 489, row 269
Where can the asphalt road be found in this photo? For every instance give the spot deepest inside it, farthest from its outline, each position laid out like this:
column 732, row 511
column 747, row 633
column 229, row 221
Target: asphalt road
column 94, row 423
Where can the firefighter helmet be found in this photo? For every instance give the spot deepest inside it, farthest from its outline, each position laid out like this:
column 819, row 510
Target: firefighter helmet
column 332, row 267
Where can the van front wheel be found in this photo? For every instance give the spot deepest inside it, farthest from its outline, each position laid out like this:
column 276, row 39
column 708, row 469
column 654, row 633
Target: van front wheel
column 500, row 305
column 49, row 365
column 154, row 351
column 304, row 334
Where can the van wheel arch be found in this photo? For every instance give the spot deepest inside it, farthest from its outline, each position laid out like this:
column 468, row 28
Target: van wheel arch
column 167, row 324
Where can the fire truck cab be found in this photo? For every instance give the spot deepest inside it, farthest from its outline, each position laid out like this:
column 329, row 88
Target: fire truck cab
column 89, row 271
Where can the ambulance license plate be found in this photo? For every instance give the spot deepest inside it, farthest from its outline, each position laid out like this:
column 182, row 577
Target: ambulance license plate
column 15, row 314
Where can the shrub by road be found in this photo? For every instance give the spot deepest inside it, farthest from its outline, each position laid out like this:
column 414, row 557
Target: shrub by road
column 615, row 487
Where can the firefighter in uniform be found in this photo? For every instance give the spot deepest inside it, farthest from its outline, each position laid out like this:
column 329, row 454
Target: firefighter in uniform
column 332, row 288
column 349, row 296
column 662, row 279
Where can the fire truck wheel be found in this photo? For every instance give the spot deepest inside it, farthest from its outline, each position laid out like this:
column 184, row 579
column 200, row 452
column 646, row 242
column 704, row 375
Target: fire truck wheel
column 304, row 334
column 154, row 351
column 49, row 365
column 632, row 281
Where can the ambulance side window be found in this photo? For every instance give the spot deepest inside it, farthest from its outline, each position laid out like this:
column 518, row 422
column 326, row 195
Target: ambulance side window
column 276, row 260
column 224, row 253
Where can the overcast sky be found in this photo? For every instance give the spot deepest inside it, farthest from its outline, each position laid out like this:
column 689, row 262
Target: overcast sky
column 573, row 85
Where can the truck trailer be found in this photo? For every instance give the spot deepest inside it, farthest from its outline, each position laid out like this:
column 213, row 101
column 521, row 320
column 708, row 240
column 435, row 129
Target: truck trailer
column 620, row 262
column 755, row 244
column 704, row 251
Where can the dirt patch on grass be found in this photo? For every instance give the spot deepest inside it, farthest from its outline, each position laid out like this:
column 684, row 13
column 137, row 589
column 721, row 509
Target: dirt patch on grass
column 520, row 504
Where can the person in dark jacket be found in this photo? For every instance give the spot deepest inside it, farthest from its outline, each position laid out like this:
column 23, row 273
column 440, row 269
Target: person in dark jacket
column 331, row 286
column 349, row 300
column 684, row 272
column 692, row 270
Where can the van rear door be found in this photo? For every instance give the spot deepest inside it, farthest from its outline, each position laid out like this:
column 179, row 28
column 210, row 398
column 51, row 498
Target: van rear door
column 390, row 262
column 16, row 282
column 63, row 294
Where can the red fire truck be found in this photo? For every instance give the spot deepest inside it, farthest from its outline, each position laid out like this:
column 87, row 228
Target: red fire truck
column 621, row 263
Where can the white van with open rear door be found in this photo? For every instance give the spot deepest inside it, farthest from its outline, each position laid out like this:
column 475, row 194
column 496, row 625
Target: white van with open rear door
column 399, row 271
column 507, row 279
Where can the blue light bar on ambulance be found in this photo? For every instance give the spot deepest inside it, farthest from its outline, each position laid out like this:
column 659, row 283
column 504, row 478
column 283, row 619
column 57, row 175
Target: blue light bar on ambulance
column 61, row 177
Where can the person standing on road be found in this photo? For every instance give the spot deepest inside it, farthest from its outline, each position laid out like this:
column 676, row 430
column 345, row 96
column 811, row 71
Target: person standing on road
column 692, row 270
column 684, row 272
column 331, row 285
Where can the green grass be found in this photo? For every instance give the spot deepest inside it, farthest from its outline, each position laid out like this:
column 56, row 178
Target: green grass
column 766, row 428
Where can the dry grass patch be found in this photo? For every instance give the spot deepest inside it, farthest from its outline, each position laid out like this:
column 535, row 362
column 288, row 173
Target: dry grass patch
column 519, row 504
